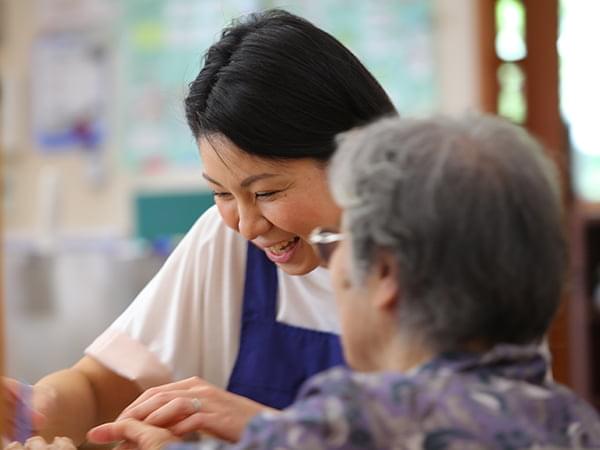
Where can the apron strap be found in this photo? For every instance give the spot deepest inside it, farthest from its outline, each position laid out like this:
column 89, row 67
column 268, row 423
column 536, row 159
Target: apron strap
column 274, row 359
column 260, row 286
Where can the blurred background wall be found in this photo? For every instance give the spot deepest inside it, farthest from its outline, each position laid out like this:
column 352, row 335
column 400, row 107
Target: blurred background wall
column 101, row 176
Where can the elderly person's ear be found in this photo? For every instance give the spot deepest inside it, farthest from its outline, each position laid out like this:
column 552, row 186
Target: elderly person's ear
column 387, row 281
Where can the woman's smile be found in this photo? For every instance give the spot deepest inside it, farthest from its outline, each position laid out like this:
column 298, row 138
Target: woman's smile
column 283, row 251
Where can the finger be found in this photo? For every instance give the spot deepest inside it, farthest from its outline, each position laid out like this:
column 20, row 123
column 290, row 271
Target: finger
column 142, row 410
column 146, row 437
column 128, row 429
column 201, row 421
column 174, row 411
column 225, row 417
column 194, row 422
column 14, row 446
column 186, row 384
column 36, row 443
column 63, row 443
column 103, row 434
column 141, row 399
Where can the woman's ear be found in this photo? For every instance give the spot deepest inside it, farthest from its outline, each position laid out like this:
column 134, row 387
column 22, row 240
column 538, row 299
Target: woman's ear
column 387, row 282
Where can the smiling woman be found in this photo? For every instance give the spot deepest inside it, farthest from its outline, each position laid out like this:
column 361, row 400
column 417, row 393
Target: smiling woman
column 274, row 204
column 241, row 312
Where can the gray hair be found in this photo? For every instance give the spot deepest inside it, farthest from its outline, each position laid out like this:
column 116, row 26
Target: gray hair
column 470, row 208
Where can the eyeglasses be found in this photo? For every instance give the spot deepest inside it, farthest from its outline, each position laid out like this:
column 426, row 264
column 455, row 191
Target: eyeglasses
column 325, row 241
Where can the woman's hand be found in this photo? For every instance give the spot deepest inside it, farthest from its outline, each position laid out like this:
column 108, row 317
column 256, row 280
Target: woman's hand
column 135, row 434
column 194, row 405
column 38, row 443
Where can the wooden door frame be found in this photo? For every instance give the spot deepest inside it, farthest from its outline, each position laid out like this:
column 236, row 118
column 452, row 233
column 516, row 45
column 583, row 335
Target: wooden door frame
column 543, row 118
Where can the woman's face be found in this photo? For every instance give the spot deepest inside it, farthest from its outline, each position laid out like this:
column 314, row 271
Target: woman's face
column 273, row 204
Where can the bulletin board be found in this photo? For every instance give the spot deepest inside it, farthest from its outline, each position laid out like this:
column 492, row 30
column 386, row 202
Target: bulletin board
column 69, row 101
column 163, row 41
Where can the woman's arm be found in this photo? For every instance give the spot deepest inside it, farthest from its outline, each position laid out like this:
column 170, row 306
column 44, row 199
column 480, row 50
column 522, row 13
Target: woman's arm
column 76, row 399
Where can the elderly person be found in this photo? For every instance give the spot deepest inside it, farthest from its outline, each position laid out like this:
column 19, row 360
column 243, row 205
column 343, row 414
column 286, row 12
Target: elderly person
column 447, row 273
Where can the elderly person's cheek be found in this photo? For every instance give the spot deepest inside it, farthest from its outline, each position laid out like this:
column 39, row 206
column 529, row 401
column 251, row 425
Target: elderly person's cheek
column 340, row 273
column 339, row 265
column 341, row 290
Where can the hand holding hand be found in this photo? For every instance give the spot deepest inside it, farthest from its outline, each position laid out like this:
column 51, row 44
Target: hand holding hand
column 194, row 405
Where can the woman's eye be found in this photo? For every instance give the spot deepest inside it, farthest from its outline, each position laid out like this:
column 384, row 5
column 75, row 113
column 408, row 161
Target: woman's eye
column 265, row 194
column 221, row 194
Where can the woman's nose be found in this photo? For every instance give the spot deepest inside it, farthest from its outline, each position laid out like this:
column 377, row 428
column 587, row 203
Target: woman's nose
column 251, row 222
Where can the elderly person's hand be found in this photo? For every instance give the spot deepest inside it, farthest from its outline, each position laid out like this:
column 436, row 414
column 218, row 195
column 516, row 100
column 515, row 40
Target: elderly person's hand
column 38, row 443
column 194, row 405
column 133, row 433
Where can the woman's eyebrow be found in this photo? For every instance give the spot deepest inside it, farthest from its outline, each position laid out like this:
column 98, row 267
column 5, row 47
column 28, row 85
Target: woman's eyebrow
column 246, row 182
column 207, row 178
column 252, row 178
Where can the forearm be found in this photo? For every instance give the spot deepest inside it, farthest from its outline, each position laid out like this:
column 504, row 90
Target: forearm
column 72, row 407
column 84, row 396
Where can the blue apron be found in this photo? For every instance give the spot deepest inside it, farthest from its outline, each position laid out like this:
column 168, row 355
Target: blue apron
column 274, row 359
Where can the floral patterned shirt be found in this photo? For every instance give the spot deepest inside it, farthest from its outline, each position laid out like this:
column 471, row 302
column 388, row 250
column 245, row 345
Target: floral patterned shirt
column 502, row 399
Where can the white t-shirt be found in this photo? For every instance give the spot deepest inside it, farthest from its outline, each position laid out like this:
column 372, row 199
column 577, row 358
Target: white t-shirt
column 187, row 320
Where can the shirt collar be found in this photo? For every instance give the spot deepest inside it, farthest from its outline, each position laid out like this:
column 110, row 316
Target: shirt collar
column 525, row 363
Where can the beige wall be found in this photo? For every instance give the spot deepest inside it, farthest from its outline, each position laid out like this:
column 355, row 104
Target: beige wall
column 458, row 55
column 85, row 208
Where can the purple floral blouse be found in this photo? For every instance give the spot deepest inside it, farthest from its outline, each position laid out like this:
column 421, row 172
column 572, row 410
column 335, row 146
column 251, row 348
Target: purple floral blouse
column 499, row 400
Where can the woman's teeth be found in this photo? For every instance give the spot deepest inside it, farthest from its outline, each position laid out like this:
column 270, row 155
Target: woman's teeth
column 282, row 246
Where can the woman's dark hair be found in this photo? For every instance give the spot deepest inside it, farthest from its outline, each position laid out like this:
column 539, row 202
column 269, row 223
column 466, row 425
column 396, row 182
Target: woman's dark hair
column 279, row 87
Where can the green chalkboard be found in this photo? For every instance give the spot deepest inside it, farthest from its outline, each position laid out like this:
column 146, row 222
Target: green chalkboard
column 168, row 215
